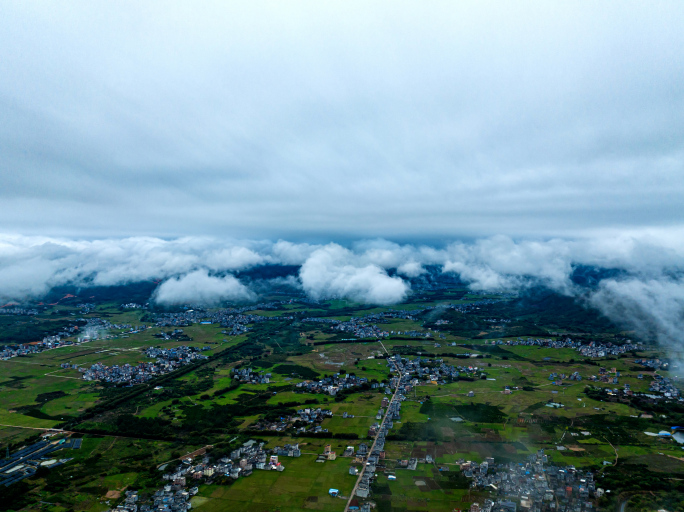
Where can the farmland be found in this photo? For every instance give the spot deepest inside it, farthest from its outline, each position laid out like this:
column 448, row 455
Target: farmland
column 497, row 408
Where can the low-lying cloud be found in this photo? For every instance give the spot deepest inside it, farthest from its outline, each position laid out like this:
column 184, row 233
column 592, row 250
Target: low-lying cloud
column 648, row 296
column 200, row 287
column 653, row 307
column 333, row 271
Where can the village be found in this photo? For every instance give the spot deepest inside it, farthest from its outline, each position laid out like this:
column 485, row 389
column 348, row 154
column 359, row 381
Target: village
column 93, row 329
column 510, row 486
column 592, row 349
column 167, row 360
column 538, row 487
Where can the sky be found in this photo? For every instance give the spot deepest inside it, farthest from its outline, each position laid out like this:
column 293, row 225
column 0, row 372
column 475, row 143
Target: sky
column 341, row 121
column 503, row 142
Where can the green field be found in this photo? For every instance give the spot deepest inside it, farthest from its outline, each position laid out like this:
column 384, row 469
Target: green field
column 128, row 432
column 290, row 490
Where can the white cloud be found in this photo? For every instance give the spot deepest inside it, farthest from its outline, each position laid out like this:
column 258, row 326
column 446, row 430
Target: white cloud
column 647, row 296
column 30, row 266
column 333, row 271
column 200, row 288
column 500, row 262
column 411, row 269
column 653, row 307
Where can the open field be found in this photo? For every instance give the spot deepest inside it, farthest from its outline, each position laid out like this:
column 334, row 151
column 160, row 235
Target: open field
column 206, row 406
column 302, row 486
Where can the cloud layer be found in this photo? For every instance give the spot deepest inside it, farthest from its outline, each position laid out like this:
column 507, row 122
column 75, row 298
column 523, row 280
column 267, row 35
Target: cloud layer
column 341, row 120
column 648, row 295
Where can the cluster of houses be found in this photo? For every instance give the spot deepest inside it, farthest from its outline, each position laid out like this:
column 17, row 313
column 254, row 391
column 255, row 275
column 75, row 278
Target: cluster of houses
column 329, row 454
column 366, row 326
column 592, row 349
column 368, row 461
column 428, row 370
column 558, row 378
column 313, row 417
column 17, row 311
column 664, row 386
column 332, row 385
column 596, row 349
column 245, row 459
column 281, row 425
column 173, row 358
column 249, row 376
column 242, row 462
column 656, row 364
column 127, row 328
column 611, row 376
column 232, row 318
column 49, row 342
column 355, row 326
column 233, row 323
column 54, row 340
column 85, row 307
column 498, row 321
column 175, row 496
column 170, row 498
column 538, row 487
column 134, row 305
column 176, row 334
column 167, row 360
column 307, row 420
column 414, row 334
column 24, row 349
column 101, row 329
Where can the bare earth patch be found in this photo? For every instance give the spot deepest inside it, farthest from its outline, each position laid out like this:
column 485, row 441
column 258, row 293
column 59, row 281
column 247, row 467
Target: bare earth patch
column 113, row 495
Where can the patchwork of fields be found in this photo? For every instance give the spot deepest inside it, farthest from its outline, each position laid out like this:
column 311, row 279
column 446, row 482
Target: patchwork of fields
column 129, row 432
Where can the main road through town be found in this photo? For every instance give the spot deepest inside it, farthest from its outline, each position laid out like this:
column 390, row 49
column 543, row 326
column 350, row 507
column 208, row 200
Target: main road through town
column 375, row 440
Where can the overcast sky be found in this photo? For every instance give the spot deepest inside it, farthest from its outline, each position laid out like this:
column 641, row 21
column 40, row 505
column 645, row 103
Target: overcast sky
column 328, row 121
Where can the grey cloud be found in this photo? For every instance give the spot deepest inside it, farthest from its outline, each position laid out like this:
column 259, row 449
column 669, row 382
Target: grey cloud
column 340, row 121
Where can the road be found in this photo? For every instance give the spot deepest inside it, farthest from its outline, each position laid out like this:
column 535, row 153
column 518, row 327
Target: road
column 375, row 439
column 34, row 428
column 191, row 455
column 51, row 429
column 383, row 347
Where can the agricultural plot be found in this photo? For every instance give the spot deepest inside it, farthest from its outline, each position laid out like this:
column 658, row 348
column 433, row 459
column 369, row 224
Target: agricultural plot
column 303, row 485
column 128, row 432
